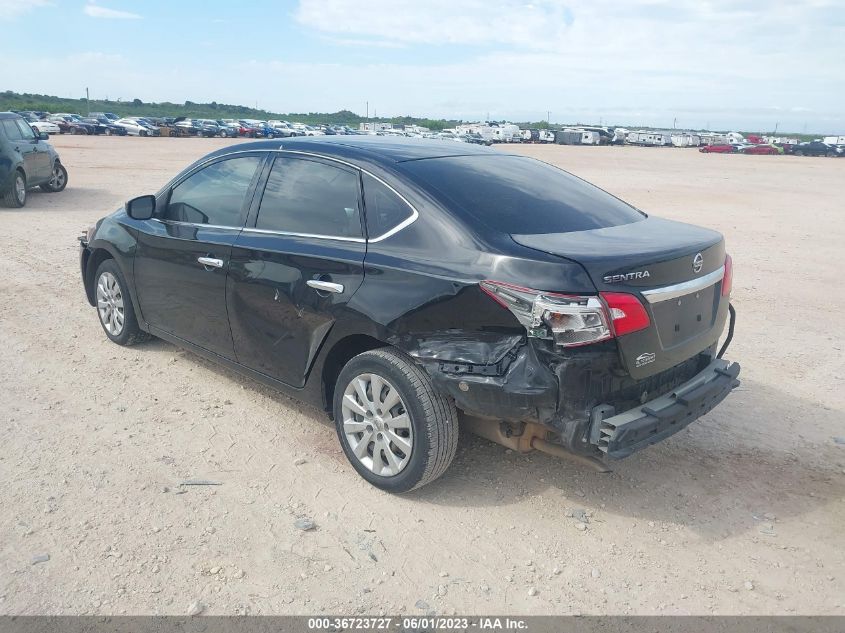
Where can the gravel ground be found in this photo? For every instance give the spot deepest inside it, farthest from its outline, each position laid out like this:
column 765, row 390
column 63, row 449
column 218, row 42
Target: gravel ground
column 742, row 513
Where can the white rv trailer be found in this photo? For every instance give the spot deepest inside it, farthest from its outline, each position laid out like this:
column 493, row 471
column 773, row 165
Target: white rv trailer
column 506, row 133
column 712, row 138
column 646, row 137
column 482, row 129
column 588, row 137
column 783, row 140
column 547, row 136
column 686, row 139
column 834, row 140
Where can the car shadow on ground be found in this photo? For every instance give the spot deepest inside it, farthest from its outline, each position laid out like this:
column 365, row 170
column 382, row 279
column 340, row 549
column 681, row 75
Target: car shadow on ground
column 98, row 200
column 723, row 475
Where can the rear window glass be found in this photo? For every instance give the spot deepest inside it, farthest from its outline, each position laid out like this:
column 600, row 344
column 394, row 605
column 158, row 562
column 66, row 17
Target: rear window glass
column 519, row 195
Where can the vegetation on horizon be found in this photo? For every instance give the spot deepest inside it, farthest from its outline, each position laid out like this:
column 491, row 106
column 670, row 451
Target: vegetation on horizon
column 45, row 103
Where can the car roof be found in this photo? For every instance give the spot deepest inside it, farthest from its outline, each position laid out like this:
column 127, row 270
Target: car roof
column 9, row 115
column 381, row 149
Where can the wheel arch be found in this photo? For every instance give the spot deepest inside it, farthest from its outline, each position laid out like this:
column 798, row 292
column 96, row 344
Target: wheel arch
column 341, row 353
column 92, row 261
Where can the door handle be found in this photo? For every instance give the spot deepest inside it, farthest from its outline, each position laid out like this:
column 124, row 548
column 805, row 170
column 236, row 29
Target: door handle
column 324, row 286
column 210, row 262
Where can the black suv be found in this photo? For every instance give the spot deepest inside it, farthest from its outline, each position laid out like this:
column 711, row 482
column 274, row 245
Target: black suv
column 26, row 161
column 396, row 282
column 817, row 148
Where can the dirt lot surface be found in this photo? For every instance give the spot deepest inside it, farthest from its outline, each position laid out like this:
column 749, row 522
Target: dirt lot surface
column 742, row 513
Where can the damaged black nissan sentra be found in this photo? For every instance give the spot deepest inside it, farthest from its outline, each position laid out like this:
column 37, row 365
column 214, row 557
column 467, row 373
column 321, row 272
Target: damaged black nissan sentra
column 396, row 283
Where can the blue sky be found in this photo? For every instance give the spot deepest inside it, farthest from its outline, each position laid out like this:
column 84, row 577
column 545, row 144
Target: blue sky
column 743, row 64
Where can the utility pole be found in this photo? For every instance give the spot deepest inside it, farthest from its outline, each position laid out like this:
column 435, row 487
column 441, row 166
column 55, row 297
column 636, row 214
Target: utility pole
column 88, row 100
column 549, row 117
column 776, row 128
column 674, row 121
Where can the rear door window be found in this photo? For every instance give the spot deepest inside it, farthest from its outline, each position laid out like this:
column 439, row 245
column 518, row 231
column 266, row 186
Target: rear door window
column 310, row 197
column 519, row 195
column 215, row 194
column 10, row 130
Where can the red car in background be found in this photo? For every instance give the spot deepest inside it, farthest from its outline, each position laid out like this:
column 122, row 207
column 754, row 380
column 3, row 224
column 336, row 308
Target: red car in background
column 761, row 149
column 723, row 148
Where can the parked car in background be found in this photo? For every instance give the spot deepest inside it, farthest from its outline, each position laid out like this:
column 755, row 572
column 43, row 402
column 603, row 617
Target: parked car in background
column 762, row 149
column 134, row 127
column 37, row 125
column 284, row 128
column 74, row 124
column 434, row 278
column 207, row 128
column 228, row 128
column 475, row 139
column 816, row 148
column 248, row 129
column 104, row 126
column 26, row 161
column 111, row 116
column 721, row 148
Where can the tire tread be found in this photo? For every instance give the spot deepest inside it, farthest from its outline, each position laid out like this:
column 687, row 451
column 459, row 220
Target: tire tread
column 441, row 416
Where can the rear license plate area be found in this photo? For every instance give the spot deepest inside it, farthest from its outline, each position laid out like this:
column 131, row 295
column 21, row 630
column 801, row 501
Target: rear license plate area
column 683, row 318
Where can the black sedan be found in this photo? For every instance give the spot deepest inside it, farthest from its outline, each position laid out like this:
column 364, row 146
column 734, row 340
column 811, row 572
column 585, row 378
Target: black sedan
column 102, row 125
column 396, row 283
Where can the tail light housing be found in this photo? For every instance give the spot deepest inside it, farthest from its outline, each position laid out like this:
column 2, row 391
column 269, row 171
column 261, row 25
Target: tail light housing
column 627, row 314
column 728, row 279
column 569, row 320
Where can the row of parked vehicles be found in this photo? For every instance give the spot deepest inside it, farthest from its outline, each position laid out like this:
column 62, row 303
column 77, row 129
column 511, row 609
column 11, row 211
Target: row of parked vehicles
column 109, row 123
column 813, row 148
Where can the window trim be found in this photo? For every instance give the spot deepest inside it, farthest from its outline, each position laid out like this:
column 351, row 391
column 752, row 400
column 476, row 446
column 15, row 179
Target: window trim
column 415, row 214
column 355, row 171
column 256, row 178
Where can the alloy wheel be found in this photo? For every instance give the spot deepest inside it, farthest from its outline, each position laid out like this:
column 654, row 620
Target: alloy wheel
column 377, row 425
column 20, row 188
column 57, row 180
column 110, row 304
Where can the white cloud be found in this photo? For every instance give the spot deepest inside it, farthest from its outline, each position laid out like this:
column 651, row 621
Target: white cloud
column 96, row 11
column 12, row 8
column 475, row 22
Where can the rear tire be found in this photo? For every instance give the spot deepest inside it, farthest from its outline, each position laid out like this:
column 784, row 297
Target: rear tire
column 58, row 179
column 401, row 438
column 114, row 306
column 15, row 197
column 798, row 153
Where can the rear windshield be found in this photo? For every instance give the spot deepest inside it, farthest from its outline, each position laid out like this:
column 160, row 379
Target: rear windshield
column 519, row 195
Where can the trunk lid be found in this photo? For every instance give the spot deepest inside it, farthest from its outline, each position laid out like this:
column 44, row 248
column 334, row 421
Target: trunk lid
column 674, row 268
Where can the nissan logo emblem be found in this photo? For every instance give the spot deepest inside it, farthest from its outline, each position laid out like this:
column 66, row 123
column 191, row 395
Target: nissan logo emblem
column 697, row 263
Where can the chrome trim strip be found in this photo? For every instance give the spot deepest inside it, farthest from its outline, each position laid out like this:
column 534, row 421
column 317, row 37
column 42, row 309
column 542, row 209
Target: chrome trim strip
column 291, row 234
column 408, row 222
column 668, row 293
column 195, row 224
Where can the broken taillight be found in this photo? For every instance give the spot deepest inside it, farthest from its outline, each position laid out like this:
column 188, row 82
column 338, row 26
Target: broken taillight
column 728, row 279
column 570, row 320
column 627, row 314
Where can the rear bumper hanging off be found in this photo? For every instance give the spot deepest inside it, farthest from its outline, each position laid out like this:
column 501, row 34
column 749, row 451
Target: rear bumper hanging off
column 620, row 435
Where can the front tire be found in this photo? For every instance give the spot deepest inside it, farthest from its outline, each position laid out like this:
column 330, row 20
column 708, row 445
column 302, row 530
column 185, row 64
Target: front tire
column 397, row 431
column 15, row 197
column 114, row 306
column 58, row 179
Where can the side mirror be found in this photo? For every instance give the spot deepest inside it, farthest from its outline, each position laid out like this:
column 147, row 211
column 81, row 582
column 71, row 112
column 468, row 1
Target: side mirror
column 43, row 136
column 141, row 208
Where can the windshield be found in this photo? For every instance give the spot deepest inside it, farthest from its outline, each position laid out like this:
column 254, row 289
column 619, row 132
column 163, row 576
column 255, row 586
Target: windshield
column 519, row 195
